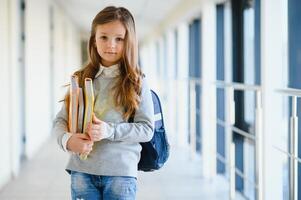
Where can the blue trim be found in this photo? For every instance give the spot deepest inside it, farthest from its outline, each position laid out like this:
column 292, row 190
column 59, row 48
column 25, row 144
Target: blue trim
column 220, row 137
column 220, row 96
column 257, row 43
column 220, row 40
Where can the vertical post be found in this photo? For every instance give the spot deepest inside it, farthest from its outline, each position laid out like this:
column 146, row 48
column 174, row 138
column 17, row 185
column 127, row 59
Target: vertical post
column 231, row 117
column 294, row 151
column 192, row 119
column 232, row 170
column 258, row 147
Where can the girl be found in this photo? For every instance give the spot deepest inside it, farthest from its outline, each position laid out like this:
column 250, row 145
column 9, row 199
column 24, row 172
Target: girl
column 110, row 170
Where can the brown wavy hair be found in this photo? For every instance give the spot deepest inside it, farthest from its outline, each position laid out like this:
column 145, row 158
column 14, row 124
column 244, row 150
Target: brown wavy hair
column 128, row 86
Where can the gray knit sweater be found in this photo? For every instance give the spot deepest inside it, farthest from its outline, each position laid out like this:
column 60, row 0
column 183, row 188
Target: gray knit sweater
column 119, row 154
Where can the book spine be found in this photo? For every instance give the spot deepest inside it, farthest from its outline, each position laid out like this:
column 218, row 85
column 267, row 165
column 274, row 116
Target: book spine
column 89, row 106
column 89, row 102
column 81, row 108
column 73, row 107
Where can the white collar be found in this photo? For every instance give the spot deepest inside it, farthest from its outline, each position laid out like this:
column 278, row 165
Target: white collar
column 108, row 72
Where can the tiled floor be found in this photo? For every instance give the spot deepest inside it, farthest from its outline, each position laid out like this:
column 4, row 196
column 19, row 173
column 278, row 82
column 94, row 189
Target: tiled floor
column 44, row 178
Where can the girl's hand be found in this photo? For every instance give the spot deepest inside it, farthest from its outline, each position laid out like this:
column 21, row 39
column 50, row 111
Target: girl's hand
column 79, row 143
column 96, row 130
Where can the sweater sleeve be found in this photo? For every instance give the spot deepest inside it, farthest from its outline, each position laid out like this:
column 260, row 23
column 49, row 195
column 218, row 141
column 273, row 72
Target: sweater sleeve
column 141, row 130
column 59, row 128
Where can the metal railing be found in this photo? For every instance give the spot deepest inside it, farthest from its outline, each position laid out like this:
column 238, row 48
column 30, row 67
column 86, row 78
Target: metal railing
column 256, row 138
column 229, row 125
column 293, row 154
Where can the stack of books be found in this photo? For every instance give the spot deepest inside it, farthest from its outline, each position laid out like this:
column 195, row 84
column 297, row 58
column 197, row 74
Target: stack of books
column 81, row 107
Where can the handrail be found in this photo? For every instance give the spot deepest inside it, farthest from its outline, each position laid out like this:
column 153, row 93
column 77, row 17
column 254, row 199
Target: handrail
column 196, row 80
column 293, row 154
column 287, row 153
column 237, row 86
column 230, row 87
column 237, row 130
column 290, row 92
column 237, row 171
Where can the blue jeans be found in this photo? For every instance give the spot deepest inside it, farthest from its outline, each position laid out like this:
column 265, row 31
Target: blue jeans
column 92, row 187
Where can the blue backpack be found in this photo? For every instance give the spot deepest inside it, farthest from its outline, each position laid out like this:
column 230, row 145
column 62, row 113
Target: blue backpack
column 155, row 152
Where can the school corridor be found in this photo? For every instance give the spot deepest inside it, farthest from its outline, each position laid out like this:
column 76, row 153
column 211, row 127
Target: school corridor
column 228, row 74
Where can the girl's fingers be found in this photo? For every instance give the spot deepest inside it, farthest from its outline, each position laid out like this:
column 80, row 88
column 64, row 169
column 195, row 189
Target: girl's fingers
column 88, row 147
column 95, row 127
column 83, row 136
column 95, row 135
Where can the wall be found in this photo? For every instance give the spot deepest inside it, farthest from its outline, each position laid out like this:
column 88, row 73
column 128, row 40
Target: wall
column 37, row 79
column 5, row 162
column 274, row 69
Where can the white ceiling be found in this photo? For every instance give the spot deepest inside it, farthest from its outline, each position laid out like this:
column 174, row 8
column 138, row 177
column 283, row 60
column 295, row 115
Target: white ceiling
column 147, row 13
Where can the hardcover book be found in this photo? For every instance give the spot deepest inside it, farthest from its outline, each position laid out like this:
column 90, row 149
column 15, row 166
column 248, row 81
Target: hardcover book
column 73, row 107
column 89, row 106
column 81, row 109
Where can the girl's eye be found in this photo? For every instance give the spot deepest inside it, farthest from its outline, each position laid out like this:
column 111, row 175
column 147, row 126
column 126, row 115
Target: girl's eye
column 119, row 39
column 103, row 37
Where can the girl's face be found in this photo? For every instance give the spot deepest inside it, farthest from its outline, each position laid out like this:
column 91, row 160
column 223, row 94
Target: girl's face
column 109, row 39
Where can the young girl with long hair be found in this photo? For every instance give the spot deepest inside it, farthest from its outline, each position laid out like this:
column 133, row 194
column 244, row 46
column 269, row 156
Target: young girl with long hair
column 110, row 170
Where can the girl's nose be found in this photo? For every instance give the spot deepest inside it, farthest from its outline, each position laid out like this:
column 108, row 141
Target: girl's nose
column 112, row 44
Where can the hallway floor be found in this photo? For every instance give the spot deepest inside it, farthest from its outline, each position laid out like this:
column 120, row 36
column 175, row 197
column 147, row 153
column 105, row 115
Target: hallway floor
column 44, row 178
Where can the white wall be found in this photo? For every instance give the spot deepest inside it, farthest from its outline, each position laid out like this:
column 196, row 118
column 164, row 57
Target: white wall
column 5, row 162
column 37, row 79
column 16, row 86
column 170, row 85
column 273, row 63
column 208, row 88
column 148, row 59
column 183, row 74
